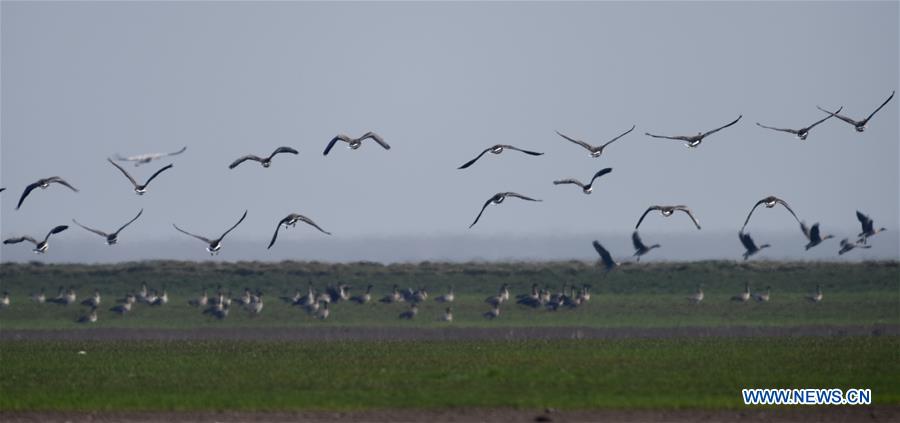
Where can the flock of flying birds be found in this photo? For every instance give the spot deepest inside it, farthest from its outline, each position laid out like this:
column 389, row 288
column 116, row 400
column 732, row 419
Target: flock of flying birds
column 213, row 245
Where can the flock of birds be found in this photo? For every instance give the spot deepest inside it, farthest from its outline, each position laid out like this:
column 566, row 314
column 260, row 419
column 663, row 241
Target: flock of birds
column 316, row 303
column 812, row 233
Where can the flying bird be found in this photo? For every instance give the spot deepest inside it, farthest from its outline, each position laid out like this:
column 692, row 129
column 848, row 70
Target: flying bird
column 596, row 151
column 868, row 227
column 860, row 125
column 813, row 235
column 264, row 161
column 608, row 262
column 668, row 211
column 140, row 189
column 639, row 247
column 585, row 188
column 147, row 158
column 354, row 143
column 750, row 245
column 801, row 133
column 497, row 149
column 39, row 247
column 846, row 246
column 214, row 244
column 769, row 202
column 43, row 184
column 291, row 221
column 111, row 238
column 497, row 199
column 695, row 140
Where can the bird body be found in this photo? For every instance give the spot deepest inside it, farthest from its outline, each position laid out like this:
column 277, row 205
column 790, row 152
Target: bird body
column 140, row 189
column 868, row 227
column 693, row 141
column 497, row 149
column 801, row 133
column 595, row 151
column 354, row 143
column 448, row 297
column 214, row 244
column 264, row 161
column 43, row 184
column 40, row 247
column 697, row 297
column 639, row 247
column 743, row 296
column 411, row 313
column 813, row 235
column 147, row 158
column 763, row 297
column 608, row 262
column 816, row 296
column 749, row 245
column 859, row 125
column 668, row 211
column 111, row 238
column 448, row 315
column 497, row 199
column 586, row 188
column 291, row 221
column 770, row 202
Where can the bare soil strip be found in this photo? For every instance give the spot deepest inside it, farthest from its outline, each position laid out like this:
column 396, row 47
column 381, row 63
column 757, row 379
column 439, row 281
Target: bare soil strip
column 439, row 334
column 784, row 414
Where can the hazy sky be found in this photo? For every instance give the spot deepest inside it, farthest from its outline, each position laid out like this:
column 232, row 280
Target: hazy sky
column 441, row 82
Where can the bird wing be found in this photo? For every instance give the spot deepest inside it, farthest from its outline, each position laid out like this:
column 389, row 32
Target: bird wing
column 177, row 152
column 882, row 105
column 240, row 160
column 866, row 222
column 579, row 142
column 338, row 137
column 569, row 181
column 27, row 191
column 470, row 162
column 275, row 235
column 309, row 221
column 235, row 225
column 533, row 153
column 806, row 230
column 377, row 138
column 130, row 221
column 790, row 131
column 513, row 194
column 814, row 232
column 841, row 117
column 61, row 181
column 157, row 173
column 604, row 254
column 283, row 150
column 486, row 203
column 96, row 231
column 55, row 230
column 785, row 204
column 825, row 118
column 206, row 240
column 649, row 209
column 691, row 215
column 751, row 213
column 20, row 239
column 133, row 182
column 747, row 241
column 678, row 137
column 600, row 173
column 620, row 136
column 722, row 127
column 636, row 241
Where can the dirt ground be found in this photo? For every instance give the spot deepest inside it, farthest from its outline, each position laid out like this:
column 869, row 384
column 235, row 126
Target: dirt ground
column 438, row 334
column 797, row 414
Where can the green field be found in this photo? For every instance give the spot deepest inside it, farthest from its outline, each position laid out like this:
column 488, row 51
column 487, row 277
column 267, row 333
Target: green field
column 644, row 295
column 223, row 375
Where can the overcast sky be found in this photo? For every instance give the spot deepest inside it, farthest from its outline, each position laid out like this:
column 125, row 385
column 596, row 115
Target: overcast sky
column 441, row 82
